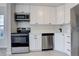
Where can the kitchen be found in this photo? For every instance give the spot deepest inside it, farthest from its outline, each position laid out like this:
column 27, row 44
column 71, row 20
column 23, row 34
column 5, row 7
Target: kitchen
column 38, row 22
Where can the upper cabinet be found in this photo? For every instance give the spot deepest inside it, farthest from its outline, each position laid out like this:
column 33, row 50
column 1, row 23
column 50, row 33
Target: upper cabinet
column 60, row 15
column 36, row 15
column 22, row 8
column 67, row 14
column 46, row 14
column 52, row 15
column 39, row 15
column 42, row 15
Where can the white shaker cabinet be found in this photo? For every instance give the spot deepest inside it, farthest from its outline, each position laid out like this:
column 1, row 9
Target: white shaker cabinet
column 36, row 16
column 46, row 15
column 60, row 15
column 59, row 42
column 67, row 14
column 35, row 42
column 33, row 15
column 43, row 15
column 67, row 44
column 22, row 8
column 52, row 15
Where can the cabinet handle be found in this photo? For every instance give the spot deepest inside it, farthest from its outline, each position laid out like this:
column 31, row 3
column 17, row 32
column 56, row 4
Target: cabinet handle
column 68, row 50
column 68, row 36
column 63, row 34
column 68, row 42
column 49, row 23
column 35, row 38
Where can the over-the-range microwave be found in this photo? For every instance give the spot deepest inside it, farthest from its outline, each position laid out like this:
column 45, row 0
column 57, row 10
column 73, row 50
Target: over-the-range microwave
column 22, row 16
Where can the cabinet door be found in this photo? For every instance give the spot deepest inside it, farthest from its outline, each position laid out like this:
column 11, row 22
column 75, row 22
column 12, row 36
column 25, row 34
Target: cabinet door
column 35, row 42
column 60, row 15
column 32, row 42
column 46, row 15
column 22, row 8
column 33, row 15
column 40, row 14
column 67, row 14
column 59, row 42
column 38, row 42
column 52, row 15
column 36, row 15
column 67, row 44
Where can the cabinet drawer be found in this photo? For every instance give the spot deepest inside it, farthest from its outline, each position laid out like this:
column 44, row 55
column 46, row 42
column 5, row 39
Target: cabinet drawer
column 68, row 43
column 68, row 47
column 68, row 51
column 67, row 39
column 67, row 34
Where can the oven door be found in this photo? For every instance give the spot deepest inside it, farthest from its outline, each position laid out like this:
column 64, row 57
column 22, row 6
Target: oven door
column 20, row 41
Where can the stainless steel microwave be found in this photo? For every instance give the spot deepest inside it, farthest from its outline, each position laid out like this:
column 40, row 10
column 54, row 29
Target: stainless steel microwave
column 22, row 16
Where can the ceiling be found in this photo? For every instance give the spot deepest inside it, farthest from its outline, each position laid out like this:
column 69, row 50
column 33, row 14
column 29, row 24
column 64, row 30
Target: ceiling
column 45, row 4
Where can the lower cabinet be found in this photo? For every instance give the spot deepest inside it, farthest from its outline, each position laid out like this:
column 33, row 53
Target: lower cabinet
column 35, row 42
column 59, row 42
column 62, row 43
column 68, row 44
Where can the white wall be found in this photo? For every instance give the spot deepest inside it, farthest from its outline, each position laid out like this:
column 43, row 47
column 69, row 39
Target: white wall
column 8, row 28
column 13, row 22
column 3, row 42
column 6, row 42
column 2, row 12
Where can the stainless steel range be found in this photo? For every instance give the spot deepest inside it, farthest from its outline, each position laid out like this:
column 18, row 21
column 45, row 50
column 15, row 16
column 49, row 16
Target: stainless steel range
column 20, row 42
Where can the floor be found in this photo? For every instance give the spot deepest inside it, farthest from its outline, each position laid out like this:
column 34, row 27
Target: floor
column 43, row 53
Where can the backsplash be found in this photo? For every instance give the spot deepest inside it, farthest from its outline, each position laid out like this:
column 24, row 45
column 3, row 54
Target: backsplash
column 45, row 28
column 50, row 28
column 23, row 24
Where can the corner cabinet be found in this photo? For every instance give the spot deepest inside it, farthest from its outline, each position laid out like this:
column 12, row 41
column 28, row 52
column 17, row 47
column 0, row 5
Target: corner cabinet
column 67, row 14
column 35, row 42
column 62, row 43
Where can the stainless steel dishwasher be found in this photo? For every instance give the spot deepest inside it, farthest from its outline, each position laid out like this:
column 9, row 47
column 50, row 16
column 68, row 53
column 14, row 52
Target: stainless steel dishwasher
column 47, row 41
